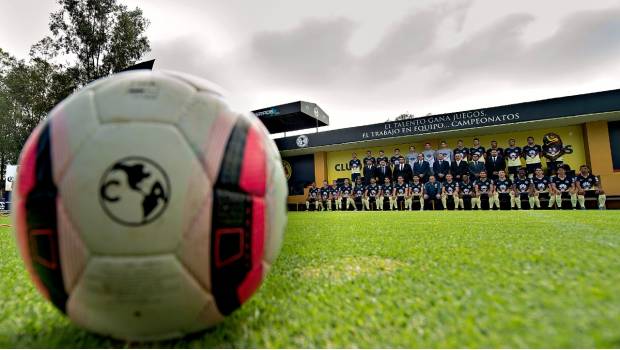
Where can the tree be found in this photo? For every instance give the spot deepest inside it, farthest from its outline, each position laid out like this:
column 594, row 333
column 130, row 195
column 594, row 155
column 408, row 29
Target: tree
column 99, row 36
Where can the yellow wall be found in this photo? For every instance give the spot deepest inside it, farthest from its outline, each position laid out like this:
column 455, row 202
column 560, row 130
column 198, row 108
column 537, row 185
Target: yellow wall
column 570, row 135
column 599, row 151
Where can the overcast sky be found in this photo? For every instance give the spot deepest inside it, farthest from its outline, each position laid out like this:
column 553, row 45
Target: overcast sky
column 365, row 61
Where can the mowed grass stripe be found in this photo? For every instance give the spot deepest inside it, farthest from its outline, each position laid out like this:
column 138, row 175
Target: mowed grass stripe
column 398, row 279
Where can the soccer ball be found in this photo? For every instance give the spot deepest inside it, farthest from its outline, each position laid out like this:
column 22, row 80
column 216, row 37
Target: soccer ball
column 146, row 209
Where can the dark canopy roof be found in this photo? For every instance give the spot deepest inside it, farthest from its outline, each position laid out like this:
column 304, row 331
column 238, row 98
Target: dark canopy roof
column 292, row 116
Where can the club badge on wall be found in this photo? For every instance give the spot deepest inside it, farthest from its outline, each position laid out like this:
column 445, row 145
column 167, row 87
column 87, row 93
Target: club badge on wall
column 553, row 147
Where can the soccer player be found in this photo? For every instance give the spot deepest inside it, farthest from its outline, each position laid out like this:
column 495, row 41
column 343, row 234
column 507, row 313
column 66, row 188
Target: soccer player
column 412, row 156
column 478, row 149
column 562, row 184
column 356, row 166
column 416, row 189
column 388, row 189
column 334, row 195
column 429, row 154
column 313, row 195
column 369, row 157
column 484, row 188
column 588, row 184
column 346, row 191
column 441, row 167
column 475, row 166
column 372, row 194
column 532, row 153
column 450, row 188
column 459, row 167
column 324, row 192
column 446, row 151
column 432, row 193
column 358, row 194
column 500, row 151
column 394, row 158
column 401, row 192
column 503, row 190
column 462, row 150
column 541, row 185
column 382, row 157
column 466, row 192
column 513, row 157
column 522, row 189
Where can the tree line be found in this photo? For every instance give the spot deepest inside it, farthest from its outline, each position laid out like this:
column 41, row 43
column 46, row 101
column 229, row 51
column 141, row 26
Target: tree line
column 88, row 39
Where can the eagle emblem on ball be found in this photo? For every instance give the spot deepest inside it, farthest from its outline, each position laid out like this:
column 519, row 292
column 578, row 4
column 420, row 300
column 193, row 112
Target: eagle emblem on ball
column 553, row 147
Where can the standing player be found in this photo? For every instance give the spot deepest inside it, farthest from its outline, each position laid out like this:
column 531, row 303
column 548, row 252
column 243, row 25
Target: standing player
column 477, row 149
column 382, row 157
column 401, row 192
column 446, row 151
column 388, row 191
column 532, row 153
column 313, row 196
column 466, row 192
column 462, row 150
column 412, row 156
column 429, row 154
column 416, row 189
column 372, row 194
column 370, row 158
column 484, row 188
column 432, row 193
column 541, row 186
column 522, row 189
column 450, row 188
column 334, row 195
column 513, row 158
column 346, row 191
column 503, row 190
column 325, row 190
column 589, row 185
column 562, row 185
column 356, row 166
column 394, row 158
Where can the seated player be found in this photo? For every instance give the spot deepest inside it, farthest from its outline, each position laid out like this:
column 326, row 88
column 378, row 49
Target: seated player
column 522, row 189
column 541, row 186
column 334, row 196
column 313, row 196
column 401, row 192
column 484, row 189
column 466, row 192
column 346, row 192
column 562, row 186
column 372, row 194
column 358, row 194
column 416, row 190
column 432, row 193
column 503, row 190
column 450, row 188
column 388, row 189
column 589, row 185
column 324, row 192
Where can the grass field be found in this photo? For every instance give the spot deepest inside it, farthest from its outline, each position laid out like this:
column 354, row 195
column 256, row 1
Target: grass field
column 484, row 279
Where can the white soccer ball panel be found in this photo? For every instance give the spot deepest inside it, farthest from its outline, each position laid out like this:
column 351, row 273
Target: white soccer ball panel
column 134, row 189
column 199, row 84
column 142, row 96
column 138, row 298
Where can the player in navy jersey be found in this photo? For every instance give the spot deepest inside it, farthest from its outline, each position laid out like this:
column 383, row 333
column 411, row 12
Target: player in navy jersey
column 382, row 157
column 589, row 185
column 522, row 189
column 372, row 193
column 532, row 153
column 346, row 193
column 462, row 150
column 478, row 149
column 466, row 192
column 564, row 185
column 450, row 188
column 388, row 190
column 512, row 154
column 334, row 196
column 416, row 191
column 394, row 158
column 542, row 186
column 358, row 194
column 324, row 196
column 370, row 158
column 355, row 164
column 484, row 188
column 503, row 190
column 313, row 197
column 401, row 192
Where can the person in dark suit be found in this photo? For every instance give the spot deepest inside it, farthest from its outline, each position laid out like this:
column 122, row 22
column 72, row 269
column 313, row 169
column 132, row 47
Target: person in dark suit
column 383, row 171
column 421, row 168
column 403, row 169
column 494, row 164
column 459, row 167
column 475, row 166
column 369, row 172
column 441, row 168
